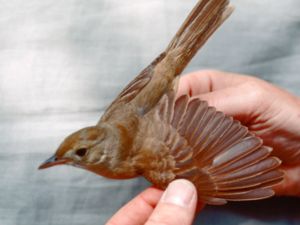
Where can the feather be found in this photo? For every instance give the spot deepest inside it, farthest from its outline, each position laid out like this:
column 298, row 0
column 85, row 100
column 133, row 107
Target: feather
column 220, row 156
column 201, row 23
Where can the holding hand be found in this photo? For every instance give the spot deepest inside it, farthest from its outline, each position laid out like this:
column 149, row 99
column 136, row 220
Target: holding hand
column 175, row 206
column 268, row 111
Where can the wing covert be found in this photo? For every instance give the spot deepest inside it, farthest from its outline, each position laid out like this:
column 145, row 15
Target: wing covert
column 133, row 88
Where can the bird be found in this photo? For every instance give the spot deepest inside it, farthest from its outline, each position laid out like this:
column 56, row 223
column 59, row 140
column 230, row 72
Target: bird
column 149, row 131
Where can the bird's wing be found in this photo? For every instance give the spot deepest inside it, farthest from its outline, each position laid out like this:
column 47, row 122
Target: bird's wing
column 134, row 87
column 200, row 24
column 218, row 154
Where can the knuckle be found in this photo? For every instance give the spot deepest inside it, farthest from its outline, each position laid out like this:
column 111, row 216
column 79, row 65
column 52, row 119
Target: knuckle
column 259, row 95
column 256, row 90
column 211, row 74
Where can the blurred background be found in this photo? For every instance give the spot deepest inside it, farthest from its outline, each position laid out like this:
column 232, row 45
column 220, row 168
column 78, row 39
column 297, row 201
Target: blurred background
column 63, row 62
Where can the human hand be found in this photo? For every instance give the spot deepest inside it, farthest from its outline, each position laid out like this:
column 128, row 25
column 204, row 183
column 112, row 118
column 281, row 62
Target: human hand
column 268, row 111
column 175, row 206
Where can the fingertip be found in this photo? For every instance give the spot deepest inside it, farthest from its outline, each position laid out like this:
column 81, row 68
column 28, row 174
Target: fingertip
column 177, row 205
column 181, row 193
column 195, row 83
column 151, row 196
column 138, row 210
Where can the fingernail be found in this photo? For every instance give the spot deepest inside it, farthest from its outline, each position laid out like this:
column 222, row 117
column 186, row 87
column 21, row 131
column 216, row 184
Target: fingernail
column 179, row 192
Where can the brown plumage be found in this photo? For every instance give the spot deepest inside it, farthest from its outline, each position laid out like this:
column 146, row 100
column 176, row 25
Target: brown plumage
column 147, row 131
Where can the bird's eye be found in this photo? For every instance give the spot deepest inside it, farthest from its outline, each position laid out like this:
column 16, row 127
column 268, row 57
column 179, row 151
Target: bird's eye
column 81, row 152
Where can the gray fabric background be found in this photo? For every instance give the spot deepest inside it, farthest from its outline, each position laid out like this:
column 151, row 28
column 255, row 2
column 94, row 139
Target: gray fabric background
column 62, row 62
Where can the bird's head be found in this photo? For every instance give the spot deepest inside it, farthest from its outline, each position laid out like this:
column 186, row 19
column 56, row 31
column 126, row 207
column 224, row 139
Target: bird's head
column 84, row 148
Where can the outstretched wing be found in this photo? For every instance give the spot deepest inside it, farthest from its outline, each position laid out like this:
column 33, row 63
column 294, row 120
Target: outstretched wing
column 200, row 24
column 133, row 88
column 219, row 155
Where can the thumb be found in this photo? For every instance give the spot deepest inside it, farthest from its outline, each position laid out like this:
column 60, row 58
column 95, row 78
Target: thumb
column 177, row 206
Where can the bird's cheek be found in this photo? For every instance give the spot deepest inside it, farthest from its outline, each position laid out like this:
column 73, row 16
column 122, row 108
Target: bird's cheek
column 76, row 164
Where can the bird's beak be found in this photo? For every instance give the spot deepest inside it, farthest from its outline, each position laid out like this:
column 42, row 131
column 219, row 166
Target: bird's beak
column 53, row 161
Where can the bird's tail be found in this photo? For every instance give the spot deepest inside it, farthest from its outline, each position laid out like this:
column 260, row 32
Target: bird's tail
column 204, row 19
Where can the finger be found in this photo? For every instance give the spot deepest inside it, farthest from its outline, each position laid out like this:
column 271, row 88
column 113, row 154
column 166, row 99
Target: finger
column 207, row 81
column 232, row 103
column 177, row 205
column 138, row 210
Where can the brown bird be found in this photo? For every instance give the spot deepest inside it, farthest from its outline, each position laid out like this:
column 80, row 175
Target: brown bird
column 147, row 132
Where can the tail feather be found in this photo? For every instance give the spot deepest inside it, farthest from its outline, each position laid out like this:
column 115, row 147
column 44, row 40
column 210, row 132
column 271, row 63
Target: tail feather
column 201, row 23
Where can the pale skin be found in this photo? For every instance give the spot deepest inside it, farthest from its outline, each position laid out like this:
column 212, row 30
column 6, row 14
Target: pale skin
column 269, row 111
column 176, row 206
